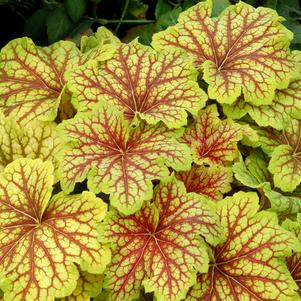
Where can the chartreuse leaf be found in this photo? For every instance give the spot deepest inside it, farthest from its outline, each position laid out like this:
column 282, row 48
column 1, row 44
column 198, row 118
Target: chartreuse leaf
column 159, row 246
column 88, row 285
column 294, row 261
column 138, row 80
column 211, row 140
column 32, row 78
column 249, row 265
column 210, row 181
column 245, row 49
column 117, row 159
column 41, row 237
column 35, row 140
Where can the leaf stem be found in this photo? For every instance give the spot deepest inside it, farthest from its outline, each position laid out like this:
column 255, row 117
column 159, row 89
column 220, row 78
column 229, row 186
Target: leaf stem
column 122, row 15
column 105, row 21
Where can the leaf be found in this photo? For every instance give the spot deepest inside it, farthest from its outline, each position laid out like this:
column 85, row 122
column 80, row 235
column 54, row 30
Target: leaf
column 249, row 264
column 75, row 9
column 253, row 172
column 32, row 78
column 88, row 285
column 244, row 50
column 58, row 24
column 118, row 160
column 35, row 140
column 140, row 81
column 162, row 7
column 42, row 236
column 168, row 18
column 286, row 105
column 294, row 261
column 283, row 205
column 211, row 140
column 210, row 181
column 159, row 246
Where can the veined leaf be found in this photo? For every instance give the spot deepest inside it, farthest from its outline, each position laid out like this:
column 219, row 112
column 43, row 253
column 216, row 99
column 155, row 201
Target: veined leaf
column 88, row 285
column 35, row 140
column 211, row 140
column 117, row 159
column 244, row 50
column 249, row 264
column 138, row 80
column 294, row 261
column 210, row 181
column 159, row 246
column 41, row 237
column 32, row 78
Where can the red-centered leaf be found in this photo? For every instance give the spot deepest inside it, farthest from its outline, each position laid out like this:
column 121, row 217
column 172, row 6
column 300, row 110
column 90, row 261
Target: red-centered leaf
column 249, row 265
column 41, row 237
column 211, row 140
column 244, row 50
column 160, row 246
column 138, row 80
column 210, row 181
column 32, row 78
column 117, row 159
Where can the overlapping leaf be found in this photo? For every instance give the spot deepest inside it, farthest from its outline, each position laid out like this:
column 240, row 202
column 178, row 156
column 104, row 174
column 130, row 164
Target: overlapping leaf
column 116, row 159
column 284, row 147
column 212, row 140
column 243, row 50
column 249, row 264
column 35, row 140
column 32, row 78
column 294, row 261
column 41, row 237
column 159, row 246
column 138, row 80
column 210, row 181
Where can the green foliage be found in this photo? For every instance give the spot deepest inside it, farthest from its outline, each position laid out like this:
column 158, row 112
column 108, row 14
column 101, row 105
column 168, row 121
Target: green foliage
column 193, row 144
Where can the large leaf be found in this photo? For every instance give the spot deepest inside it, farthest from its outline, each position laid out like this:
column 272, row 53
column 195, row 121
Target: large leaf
column 32, row 78
column 212, row 140
column 249, row 264
column 138, row 80
column 159, row 246
column 35, row 140
column 243, row 50
column 41, row 237
column 117, row 159
column 210, row 181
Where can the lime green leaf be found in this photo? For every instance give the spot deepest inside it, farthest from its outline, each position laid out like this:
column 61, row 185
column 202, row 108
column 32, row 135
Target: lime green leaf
column 88, row 285
column 159, row 246
column 41, row 237
column 294, row 261
column 35, row 140
column 244, row 50
column 210, row 181
column 138, row 80
column 117, row 159
column 286, row 104
column 32, row 79
column 75, row 9
column 283, row 205
column 249, row 264
column 253, row 172
column 212, row 141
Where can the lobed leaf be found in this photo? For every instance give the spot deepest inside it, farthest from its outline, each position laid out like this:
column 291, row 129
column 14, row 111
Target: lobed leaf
column 159, row 246
column 140, row 81
column 41, row 237
column 117, row 159
column 245, row 49
column 249, row 264
column 211, row 140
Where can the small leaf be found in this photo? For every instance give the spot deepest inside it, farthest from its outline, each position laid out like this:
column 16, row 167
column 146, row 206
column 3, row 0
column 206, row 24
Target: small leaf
column 75, row 9
column 41, row 237
column 160, row 246
column 249, row 264
column 162, row 7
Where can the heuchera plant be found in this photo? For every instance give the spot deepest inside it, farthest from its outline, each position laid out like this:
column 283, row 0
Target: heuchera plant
column 166, row 173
